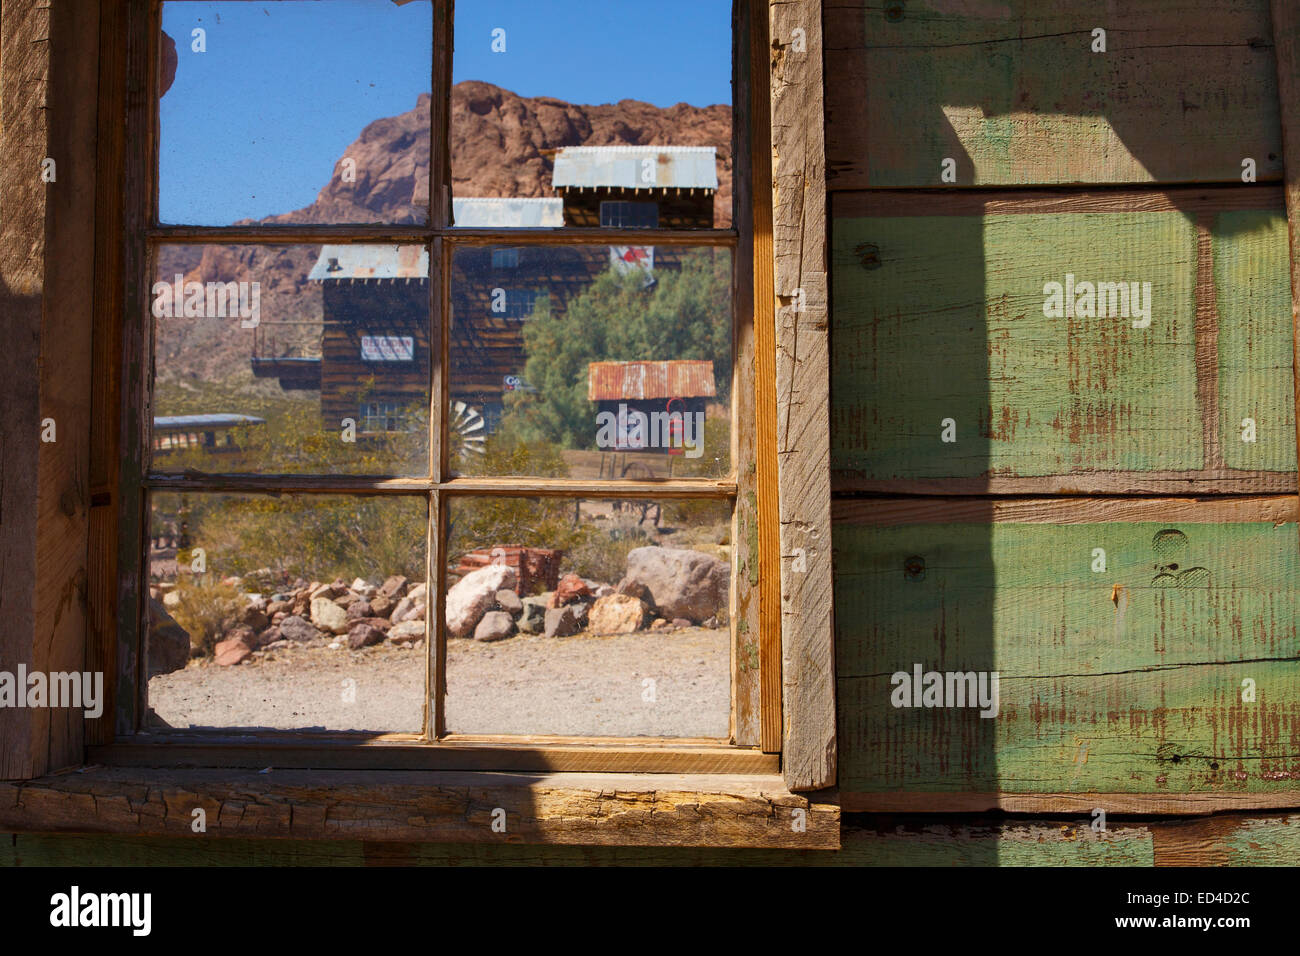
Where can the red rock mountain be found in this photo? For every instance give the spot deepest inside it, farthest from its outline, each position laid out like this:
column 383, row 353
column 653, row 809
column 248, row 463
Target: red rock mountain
column 501, row 145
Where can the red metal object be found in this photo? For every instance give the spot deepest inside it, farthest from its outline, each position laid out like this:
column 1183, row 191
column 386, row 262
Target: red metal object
column 538, row 569
column 683, row 378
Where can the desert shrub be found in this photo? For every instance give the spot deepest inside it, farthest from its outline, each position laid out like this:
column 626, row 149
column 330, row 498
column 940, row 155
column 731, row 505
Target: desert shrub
column 317, row 537
column 206, row 610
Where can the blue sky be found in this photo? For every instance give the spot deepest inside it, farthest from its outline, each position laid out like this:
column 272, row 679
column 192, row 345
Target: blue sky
column 254, row 125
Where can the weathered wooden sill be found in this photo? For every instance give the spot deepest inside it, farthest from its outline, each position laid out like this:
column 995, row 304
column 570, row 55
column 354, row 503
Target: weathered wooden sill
column 749, row 810
column 532, row 755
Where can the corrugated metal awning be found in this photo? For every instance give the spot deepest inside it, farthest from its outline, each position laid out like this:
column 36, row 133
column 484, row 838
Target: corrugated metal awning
column 490, row 212
column 636, row 167
column 354, row 261
column 636, row 381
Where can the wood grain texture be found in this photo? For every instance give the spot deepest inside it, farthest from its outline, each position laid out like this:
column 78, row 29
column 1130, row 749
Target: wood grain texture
column 134, row 371
column 1012, row 91
column 65, row 369
column 977, row 842
column 579, row 809
column 46, row 271
column 1123, row 680
column 106, row 398
column 943, row 318
column 802, row 390
column 751, row 202
column 1235, row 839
column 1286, row 38
column 1272, row 509
column 24, row 53
column 455, row 752
column 1256, row 372
column 766, row 486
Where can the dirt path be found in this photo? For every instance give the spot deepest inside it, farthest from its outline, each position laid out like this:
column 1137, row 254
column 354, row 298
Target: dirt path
column 526, row 684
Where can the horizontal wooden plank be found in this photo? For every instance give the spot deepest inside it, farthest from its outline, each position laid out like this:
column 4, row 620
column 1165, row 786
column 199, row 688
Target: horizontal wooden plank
column 564, row 808
column 363, row 484
column 1114, row 804
column 1191, row 200
column 1012, row 91
column 334, row 234
column 406, row 752
column 883, row 512
column 1153, row 656
column 973, row 843
column 1233, row 840
column 1236, row 839
column 956, row 359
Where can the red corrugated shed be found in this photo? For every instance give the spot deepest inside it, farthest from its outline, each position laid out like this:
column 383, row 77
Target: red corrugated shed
column 685, row 378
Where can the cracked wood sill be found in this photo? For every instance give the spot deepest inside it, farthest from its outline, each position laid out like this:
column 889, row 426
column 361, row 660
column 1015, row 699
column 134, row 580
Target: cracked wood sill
column 592, row 809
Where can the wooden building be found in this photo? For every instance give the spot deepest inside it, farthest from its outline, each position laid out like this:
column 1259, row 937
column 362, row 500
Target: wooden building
column 1100, row 508
column 637, row 187
column 651, row 406
column 375, row 334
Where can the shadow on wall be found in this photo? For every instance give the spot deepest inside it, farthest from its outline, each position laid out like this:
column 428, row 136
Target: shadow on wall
column 947, row 375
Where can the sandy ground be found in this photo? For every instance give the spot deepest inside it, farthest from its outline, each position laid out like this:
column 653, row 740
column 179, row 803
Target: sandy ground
column 581, row 685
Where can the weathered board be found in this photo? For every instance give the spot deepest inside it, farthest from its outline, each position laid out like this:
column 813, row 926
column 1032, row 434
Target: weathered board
column 978, row 842
column 1254, row 340
column 942, row 316
column 1013, row 92
column 1118, row 673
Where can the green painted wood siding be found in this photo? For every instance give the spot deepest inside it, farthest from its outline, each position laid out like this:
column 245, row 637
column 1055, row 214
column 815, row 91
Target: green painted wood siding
column 1139, row 695
column 945, row 320
column 1014, row 93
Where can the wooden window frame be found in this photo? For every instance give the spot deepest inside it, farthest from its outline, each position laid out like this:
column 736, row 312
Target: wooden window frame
column 66, row 607
column 756, row 705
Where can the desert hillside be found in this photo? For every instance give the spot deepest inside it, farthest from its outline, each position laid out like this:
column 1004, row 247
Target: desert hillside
column 501, row 145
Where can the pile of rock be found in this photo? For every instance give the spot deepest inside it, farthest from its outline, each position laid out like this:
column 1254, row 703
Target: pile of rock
column 664, row 588
column 359, row 615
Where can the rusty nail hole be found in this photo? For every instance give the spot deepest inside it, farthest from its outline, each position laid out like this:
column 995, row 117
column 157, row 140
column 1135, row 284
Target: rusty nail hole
column 914, row 568
column 1214, row 766
column 894, row 11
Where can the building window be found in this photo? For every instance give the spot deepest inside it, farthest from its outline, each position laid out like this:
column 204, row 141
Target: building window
column 519, row 304
column 505, row 258
column 383, row 417
column 629, row 215
column 469, row 481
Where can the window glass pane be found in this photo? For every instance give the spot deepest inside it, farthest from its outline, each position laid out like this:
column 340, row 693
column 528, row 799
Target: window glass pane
column 291, row 359
column 591, row 362
column 595, row 617
column 301, row 611
column 537, row 145
column 294, row 112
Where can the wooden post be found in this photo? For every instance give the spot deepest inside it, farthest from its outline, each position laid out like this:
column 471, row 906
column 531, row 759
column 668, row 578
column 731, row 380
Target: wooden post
column 47, row 261
column 803, row 394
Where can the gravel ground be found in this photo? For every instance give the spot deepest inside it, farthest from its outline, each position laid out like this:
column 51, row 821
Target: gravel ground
column 581, row 685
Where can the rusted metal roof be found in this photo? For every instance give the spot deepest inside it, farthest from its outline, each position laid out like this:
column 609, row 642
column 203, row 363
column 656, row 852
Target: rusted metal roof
column 354, row 261
column 493, row 213
column 685, row 378
column 636, row 167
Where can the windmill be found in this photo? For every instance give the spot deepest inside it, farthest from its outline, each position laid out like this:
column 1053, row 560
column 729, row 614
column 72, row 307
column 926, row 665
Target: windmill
column 466, row 430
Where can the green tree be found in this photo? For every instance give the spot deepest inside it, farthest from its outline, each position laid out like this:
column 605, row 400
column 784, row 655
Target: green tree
column 683, row 314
